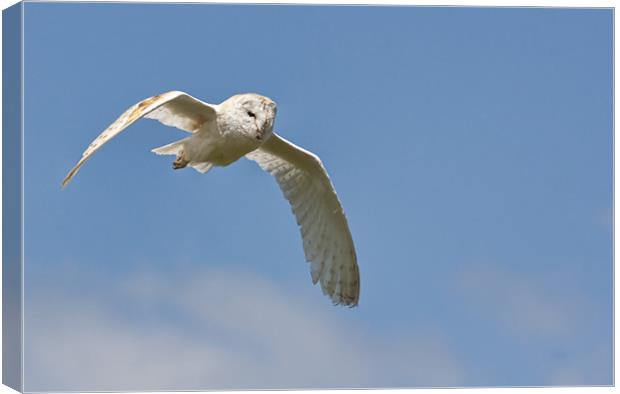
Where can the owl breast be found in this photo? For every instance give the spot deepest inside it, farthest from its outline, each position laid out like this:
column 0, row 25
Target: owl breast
column 220, row 147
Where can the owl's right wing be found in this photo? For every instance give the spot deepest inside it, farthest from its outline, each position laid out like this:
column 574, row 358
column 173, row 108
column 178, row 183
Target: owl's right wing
column 327, row 241
column 176, row 109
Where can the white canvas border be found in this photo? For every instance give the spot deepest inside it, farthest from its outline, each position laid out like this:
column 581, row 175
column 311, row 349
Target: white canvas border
column 479, row 3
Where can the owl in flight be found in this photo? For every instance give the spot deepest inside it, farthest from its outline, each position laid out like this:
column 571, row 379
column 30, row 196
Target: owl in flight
column 243, row 126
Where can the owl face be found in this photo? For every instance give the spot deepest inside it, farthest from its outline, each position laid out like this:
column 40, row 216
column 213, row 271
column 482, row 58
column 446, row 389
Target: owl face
column 255, row 114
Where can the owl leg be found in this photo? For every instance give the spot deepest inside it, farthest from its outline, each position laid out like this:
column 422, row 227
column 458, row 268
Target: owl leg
column 180, row 162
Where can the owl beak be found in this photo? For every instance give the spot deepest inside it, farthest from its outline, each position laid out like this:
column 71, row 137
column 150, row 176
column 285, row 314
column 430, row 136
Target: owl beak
column 259, row 134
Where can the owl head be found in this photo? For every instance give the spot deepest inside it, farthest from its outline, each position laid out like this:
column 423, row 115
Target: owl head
column 253, row 113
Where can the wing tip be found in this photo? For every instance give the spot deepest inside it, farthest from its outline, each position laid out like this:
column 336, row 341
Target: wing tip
column 69, row 177
column 347, row 302
column 65, row 182
column 348, row 298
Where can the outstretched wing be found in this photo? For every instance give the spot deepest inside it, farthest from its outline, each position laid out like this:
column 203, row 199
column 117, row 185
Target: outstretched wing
column 324, row 229
column 174, row 108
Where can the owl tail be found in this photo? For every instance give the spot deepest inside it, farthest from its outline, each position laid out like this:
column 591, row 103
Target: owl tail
column 171, row 149
column 176, row 148
column 202, row 167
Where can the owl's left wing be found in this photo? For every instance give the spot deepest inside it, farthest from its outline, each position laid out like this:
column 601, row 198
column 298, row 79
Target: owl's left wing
column 175, row 108
column 327, row 241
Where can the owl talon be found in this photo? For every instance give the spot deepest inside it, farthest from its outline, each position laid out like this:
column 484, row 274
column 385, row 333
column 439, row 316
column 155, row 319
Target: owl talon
column 179, row 163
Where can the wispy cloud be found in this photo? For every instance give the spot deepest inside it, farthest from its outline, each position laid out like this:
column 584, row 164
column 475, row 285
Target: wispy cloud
column 550, row 314
column 215, row 330
column 235, row 329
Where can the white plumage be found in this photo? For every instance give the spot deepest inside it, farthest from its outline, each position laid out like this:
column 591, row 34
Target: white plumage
column 243, row 126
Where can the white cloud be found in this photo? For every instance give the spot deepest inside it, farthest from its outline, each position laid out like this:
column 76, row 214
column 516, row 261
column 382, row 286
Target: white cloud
column 215, row 330
column 550, row 314
column 520, row 303
column 591, row 367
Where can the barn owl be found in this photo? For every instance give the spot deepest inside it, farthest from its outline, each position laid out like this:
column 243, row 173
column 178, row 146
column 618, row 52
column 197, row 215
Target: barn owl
column 243, row 126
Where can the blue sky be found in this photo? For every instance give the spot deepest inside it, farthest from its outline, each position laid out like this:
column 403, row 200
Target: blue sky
column 471, row 149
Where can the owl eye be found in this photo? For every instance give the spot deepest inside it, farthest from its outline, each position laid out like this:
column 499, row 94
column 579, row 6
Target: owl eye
column 251, row 114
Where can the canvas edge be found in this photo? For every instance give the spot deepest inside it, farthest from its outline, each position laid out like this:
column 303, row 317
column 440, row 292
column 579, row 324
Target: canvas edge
column 12, row 226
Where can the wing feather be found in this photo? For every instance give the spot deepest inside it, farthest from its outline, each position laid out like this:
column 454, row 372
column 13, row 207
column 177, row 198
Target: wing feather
column 327, row 241
column 177, row 109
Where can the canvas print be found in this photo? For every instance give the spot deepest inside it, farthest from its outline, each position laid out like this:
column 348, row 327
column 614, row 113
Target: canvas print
column 234, row 196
